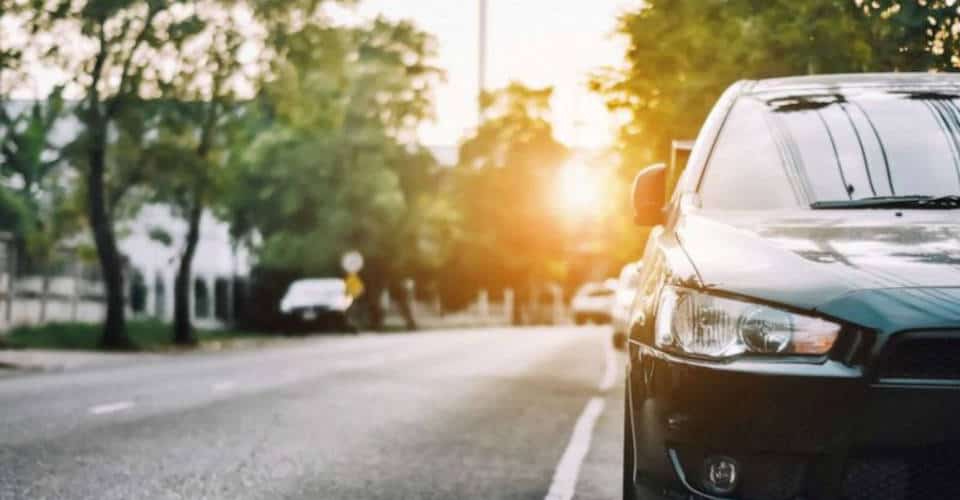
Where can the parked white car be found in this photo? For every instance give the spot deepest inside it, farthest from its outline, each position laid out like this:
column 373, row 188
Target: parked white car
column 316, row 302
column 627, row 286
column 593, row 303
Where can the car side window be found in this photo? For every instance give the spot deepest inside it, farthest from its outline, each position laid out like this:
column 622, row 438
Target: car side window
column 745, row 170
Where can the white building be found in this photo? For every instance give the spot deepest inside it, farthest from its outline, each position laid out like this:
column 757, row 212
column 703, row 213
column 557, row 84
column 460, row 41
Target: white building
column 218, row 266
column 75, row 295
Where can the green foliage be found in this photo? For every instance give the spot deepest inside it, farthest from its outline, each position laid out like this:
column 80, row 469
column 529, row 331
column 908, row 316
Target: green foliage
column 509, row 235
column 149, row 335
column 336, row 166
column 35, row 204
column 926, row 32
column 683, row 53
column 15, row 215
column 160, row 235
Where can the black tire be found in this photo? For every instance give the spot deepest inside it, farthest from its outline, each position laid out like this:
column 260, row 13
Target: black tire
column 343, row 324
column 629, row 489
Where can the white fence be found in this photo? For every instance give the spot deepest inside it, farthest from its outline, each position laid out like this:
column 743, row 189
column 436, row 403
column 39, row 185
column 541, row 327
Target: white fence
column 66, row 299
column 482, row 311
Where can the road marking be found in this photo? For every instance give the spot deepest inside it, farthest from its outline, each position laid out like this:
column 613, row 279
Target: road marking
column 110, row 407
column 224, row 386
column 610, row 367
column 564, row 483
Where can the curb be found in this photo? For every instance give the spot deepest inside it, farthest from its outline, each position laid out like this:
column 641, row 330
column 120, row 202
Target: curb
column 12, row 367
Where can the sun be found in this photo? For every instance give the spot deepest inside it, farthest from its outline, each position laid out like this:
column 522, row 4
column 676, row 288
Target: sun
column 579, row 190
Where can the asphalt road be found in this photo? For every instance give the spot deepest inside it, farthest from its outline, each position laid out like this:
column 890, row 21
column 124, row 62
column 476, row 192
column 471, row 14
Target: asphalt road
column 508, row 413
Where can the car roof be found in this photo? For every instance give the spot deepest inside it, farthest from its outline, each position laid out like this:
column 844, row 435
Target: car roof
column 332, row 283
column 849, row 81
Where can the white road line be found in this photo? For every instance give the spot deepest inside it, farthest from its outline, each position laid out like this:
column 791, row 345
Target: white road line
column 564, row 483
column 110, row 407
column 224, row 386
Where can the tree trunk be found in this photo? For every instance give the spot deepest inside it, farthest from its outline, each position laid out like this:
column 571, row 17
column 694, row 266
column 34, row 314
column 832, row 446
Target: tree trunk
column 115, row 325
column 374, row 309
column 401, row 296
column 182, row 326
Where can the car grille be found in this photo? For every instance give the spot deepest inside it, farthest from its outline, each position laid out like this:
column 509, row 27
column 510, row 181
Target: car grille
column 923, row 359
column 929, row 474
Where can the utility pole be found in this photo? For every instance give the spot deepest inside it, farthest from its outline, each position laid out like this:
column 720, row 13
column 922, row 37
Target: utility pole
column 481, row 59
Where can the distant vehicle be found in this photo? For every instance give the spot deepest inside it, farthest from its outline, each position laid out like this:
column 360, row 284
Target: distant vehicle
column 317, row 302
column 623, row 301
column 593, row 303
column 800, row 337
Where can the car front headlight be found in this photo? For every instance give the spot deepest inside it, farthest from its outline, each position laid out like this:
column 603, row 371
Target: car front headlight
column 704, row 325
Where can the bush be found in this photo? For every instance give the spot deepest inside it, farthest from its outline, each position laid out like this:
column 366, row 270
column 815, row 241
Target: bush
column 146, row 335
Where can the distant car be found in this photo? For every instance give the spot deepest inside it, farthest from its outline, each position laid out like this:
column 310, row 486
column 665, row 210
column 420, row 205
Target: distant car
column 623, row 301
column 317, row 303
column 593, row 303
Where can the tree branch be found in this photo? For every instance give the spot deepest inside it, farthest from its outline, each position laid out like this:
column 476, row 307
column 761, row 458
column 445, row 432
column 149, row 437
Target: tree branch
column 98, row 65
column 113, row 106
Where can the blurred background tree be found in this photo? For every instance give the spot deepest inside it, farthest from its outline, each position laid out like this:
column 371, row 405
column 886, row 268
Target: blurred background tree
column 510, row 234
column 39, row 205
column 302, row 132
column 682, row 54
column 339, row 167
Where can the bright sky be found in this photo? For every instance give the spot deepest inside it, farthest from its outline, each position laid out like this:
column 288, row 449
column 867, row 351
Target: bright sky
column 536, row 42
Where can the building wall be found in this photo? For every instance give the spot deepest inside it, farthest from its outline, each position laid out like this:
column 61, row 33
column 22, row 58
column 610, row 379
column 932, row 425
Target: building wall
column 216, row 258
column 77, row 295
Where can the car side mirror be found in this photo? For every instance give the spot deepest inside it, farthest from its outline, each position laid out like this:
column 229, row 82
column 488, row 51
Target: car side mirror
column 649, row 190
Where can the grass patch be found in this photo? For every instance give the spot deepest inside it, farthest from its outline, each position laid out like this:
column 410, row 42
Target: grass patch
column 146, row 336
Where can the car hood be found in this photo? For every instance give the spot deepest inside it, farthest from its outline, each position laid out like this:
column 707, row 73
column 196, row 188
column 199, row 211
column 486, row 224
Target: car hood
column 809, row 258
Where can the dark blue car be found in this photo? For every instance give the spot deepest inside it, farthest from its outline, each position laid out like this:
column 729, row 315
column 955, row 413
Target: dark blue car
column 797, row 327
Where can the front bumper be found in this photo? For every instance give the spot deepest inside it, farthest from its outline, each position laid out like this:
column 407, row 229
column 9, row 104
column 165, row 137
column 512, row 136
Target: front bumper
column 797, row 430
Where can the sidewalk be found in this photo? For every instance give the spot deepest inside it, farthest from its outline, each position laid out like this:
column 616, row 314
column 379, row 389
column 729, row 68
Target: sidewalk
column 63, row 360
column 44, row 360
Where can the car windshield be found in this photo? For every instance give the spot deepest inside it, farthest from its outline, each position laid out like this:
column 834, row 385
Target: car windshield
column 801, row 149
column 316, row 289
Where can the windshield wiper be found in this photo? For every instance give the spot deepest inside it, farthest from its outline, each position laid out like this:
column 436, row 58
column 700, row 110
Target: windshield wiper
column 912, row 201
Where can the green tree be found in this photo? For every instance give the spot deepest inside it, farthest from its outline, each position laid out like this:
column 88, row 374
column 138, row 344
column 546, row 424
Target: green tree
column 511, row 235
column 927, row 32
column 188, row 156
column 683, row 53
column 28, row 150
column 338, row 167
column 39, row 208
column 127, row 40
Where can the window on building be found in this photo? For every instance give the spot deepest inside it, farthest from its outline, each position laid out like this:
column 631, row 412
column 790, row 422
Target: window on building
column 201, row 299
column 221, row 299
column 138, row 293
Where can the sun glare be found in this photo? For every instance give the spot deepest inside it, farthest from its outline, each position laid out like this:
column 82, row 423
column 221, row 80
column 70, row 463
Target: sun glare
column 579, row 190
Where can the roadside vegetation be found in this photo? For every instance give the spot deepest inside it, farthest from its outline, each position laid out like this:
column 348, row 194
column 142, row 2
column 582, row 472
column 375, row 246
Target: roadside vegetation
column 144, row 336
column 302, row 134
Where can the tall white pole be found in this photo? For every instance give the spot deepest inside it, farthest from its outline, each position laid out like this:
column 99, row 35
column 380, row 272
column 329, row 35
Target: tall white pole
column 481, row 58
